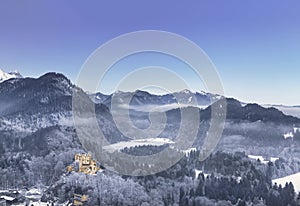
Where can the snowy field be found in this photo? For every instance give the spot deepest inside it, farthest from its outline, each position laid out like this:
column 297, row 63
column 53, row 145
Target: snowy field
column 262, row 159
column 295, row 179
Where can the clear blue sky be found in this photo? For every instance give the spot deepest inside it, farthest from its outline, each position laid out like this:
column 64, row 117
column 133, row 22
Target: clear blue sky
column 254, row 44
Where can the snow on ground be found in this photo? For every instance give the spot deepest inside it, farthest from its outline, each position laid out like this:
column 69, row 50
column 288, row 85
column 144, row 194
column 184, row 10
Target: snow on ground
column 7, row 198
column 292, row 133
column 295, row 179
column 273, row 159
column 296, row 129
column 198, row 172
column 238, row 179
column 137, row 142
column 288, row 135
column 188, row 151
column 262, row 159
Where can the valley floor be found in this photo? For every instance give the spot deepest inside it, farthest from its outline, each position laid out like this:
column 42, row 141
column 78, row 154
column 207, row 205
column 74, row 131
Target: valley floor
column 295, row 179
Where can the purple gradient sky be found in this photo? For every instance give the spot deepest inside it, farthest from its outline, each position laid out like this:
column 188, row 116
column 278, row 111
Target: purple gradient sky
column 255, row 45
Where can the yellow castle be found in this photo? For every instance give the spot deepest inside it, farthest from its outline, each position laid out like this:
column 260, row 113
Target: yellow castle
column 87, row 164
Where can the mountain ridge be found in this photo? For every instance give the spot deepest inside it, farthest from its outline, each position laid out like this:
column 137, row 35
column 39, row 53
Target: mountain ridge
column 36, row 124
column 56, row 88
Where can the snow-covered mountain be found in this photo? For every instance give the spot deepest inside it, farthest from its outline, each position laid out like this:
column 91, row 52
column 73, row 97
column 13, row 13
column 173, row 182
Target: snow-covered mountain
column 98, row 97
column 36, row 122
column 38, row 138
column 145, row 101
column 9, row 75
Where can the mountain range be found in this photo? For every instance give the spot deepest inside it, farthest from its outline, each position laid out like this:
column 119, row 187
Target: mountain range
column 145, row 101
column 140, row 98
column 36, row 123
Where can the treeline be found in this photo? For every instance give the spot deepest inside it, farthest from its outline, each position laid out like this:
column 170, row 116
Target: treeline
column 227, row 179
column 251, row 189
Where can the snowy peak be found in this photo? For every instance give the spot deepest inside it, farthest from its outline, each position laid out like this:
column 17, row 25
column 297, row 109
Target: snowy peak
column 9, row 75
